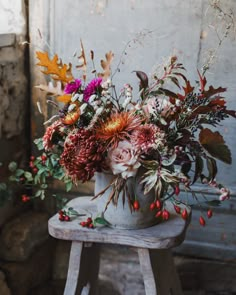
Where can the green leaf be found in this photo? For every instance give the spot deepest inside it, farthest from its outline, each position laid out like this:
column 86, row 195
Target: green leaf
column 42, row 197
column 28, row 175
column 69, row 186
column 44, row 186
column 19, row 172
column 3, row 186
column 39, row 143
column 38, row 193
column 101, row 220
column 41, row 170
column 73, row 211
column 12, row 166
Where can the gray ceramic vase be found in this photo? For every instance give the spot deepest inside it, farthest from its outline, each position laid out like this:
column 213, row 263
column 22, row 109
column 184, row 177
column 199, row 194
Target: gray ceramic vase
column 120, row 216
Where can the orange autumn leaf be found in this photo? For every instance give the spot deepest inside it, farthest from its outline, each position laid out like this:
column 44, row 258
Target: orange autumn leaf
column 66, row 98
column 54, row 67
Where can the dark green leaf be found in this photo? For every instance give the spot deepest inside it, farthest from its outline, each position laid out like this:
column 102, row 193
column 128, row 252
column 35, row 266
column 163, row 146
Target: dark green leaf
column 212, row 168
column 186, row 166
column 19, row 172
column 198, row 168
column 69, row 186
column 214, row 203
column 3, row 186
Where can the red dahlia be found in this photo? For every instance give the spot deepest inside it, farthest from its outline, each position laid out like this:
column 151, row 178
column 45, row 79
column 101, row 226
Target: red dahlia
column 83, row 155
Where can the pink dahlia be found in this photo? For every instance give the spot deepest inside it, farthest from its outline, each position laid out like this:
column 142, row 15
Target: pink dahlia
column 50, row 133
column 72, row 86
column 92, row 88
column 146, row 137
column 83, row 155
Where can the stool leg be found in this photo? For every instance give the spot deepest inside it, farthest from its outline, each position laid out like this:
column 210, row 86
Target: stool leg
column 159, row 272
column 83, row 269
column 74, row 268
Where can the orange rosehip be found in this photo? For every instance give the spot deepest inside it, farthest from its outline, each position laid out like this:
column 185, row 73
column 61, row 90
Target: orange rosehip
column 158, row 204
column 209, row 213
column 177, row 209
column 202, row 221
column 152, row 206
column 184, row 214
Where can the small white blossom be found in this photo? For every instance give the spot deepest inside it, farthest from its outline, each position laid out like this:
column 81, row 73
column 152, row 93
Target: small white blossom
column 75, row 97
column 82, row 108
column 71, row 107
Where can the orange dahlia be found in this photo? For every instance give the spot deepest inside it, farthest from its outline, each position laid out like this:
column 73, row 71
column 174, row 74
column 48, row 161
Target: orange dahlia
column 118, row 127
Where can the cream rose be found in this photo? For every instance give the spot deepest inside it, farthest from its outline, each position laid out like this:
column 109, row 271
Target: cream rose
column 123, row 160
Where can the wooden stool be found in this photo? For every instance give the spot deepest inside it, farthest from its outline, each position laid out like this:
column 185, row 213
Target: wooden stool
column 153, row 246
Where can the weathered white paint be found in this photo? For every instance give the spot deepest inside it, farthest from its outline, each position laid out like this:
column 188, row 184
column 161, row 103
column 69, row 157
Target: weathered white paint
column 12, row 17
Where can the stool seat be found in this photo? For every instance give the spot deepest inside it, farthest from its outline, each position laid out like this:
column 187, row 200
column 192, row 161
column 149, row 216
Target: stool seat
column 152, row 245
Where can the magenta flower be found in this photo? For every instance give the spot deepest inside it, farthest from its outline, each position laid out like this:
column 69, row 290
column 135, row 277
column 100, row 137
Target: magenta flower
column 72, row 86
column 91, row 88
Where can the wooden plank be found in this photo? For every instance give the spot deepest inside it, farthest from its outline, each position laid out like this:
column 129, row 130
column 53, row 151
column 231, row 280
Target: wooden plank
column 159, row 272
column 163, row 235
column 74, row 268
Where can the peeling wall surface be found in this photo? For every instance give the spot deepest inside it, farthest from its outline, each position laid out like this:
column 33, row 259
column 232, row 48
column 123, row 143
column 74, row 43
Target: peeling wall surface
column 12, row 17
column 13, row 82
column 13, row 85
column 14, row 98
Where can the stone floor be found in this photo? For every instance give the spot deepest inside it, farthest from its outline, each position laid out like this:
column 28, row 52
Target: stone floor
column 120, row 275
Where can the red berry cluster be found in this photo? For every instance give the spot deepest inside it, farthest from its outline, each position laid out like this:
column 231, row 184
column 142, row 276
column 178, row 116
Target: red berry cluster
column 25, row 198
column 63, row 216
column 32, row 163
column 164, row 213
column 88, row 223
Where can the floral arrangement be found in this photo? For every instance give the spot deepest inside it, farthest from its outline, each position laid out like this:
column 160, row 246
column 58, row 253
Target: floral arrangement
column 163, row 130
